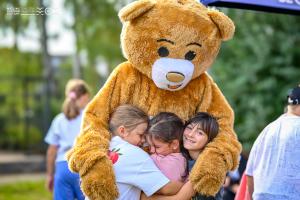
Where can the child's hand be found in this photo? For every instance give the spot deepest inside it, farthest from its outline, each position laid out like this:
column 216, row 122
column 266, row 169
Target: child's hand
column 146, row 144
column 49, row 183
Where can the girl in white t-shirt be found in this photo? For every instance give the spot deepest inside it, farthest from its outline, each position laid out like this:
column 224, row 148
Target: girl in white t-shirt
column 60, row 137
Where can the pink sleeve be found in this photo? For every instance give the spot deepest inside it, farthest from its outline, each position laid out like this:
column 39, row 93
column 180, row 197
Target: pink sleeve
column 172, row 166
column 242, row 193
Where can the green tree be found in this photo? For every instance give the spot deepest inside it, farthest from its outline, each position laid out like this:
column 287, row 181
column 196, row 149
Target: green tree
column 18, row 89
column 97, row 29
column 254, row 70
column 257, row 67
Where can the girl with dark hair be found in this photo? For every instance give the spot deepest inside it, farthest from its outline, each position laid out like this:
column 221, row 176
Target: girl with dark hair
column 165, row 137
column 60, row 137
column 199, row 131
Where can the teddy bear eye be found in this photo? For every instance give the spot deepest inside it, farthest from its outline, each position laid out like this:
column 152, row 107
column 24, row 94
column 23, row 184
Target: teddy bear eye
column 163, row 52
column 190, row 55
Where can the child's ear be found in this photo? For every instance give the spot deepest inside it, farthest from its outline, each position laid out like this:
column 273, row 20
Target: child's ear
column 122, row 131
column 175, row 144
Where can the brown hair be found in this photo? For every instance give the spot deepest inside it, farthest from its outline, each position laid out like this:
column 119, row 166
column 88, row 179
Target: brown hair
column 128, row 116
column 75, row 88
column 166, row 127
column 207, row 122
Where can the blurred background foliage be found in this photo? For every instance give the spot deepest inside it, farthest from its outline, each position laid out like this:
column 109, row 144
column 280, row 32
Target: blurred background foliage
column 257, row 67
column 254, row 70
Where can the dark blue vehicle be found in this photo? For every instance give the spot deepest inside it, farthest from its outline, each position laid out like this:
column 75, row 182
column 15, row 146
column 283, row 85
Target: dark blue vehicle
column 280, row 6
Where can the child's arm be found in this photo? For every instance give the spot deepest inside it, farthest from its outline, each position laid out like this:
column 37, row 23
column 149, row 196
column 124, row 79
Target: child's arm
column 250, row 185
column 170, row 188
column 51, row 156
column 185, row 193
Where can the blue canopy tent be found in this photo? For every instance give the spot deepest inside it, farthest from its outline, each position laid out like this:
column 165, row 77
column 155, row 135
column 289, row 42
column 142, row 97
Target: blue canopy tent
column 279, row 6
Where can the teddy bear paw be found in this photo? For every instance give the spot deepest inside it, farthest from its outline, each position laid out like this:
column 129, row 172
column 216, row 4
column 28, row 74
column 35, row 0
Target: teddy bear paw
column 99, row 182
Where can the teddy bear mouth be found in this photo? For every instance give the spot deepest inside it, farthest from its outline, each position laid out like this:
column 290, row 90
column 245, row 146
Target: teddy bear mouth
column 173, row 87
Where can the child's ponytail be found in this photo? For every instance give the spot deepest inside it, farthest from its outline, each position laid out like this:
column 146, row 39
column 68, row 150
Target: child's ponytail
column 75, row 88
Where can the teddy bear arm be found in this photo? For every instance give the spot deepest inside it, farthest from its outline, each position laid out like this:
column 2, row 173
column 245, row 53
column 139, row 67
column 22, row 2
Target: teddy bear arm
column 220, row 155
column 226, row 138
column 99, row 182
column 94, row 135
column 89, row 159
column 208, row 174
column 89, row 155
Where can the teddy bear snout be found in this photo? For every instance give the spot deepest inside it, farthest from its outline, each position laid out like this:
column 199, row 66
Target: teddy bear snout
column 171, row 73
column 175, row 77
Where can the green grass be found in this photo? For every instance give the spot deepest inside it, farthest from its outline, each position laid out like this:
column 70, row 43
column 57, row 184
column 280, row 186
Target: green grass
column 27, row 190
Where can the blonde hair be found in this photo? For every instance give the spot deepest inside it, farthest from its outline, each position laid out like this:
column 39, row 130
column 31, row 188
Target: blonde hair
column 75, row 88
column 128, row 116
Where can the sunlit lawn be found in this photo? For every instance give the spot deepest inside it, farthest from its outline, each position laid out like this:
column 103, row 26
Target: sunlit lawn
column 25, row 190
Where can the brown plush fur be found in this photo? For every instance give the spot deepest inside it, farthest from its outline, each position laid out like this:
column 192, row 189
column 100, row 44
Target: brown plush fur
column 146, row 21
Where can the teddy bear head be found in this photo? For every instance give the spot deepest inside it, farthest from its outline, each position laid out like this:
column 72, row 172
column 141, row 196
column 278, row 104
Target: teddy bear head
column 172, row 41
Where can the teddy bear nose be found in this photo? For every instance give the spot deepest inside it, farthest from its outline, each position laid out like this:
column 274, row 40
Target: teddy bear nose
column 175, row 77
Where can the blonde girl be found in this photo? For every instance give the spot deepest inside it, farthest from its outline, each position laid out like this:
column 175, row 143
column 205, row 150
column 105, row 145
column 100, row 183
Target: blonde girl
column 60, row 137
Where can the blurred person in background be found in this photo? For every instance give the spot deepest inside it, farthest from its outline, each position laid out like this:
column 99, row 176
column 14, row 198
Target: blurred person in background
column 61, row 135
column 273, row 168
column 233, row 179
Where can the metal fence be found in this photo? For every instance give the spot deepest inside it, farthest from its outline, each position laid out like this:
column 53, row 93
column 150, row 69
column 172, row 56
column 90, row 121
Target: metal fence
column 25, row 112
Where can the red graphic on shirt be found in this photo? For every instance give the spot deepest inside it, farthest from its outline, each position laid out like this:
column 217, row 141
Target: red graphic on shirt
column 114, row 155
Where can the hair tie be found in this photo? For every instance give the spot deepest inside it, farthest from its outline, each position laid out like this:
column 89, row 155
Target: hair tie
column 72, row 95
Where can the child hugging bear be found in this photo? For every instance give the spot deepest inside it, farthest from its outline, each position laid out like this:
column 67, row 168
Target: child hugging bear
column 169, row 45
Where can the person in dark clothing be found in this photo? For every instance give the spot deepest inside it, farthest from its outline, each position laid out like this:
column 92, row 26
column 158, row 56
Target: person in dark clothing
column 233, row 179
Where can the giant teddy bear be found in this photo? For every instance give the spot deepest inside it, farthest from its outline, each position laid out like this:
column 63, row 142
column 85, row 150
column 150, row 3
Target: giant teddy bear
column 169, row 45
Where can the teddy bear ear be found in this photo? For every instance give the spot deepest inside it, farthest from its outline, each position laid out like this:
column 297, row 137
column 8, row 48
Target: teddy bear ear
column 135, row 9
column 224, row 23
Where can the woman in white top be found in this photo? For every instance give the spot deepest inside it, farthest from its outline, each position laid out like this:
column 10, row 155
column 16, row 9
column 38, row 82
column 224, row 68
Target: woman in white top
column 60, row 137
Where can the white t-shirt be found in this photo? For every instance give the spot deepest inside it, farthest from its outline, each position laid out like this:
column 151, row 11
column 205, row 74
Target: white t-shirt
column 62, row 133
column 274, row 161
column 135, row 171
